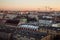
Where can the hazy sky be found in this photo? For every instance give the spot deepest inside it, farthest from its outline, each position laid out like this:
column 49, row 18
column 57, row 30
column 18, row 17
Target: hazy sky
column 29, row 4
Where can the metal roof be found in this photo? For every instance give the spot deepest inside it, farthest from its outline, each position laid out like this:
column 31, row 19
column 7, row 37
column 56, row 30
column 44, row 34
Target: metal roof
column 28, row 26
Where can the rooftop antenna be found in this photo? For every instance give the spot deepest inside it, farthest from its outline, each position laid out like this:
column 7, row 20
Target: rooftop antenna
column 50, row 9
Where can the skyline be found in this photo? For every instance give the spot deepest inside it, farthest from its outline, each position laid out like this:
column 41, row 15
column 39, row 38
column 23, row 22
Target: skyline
column 29, row 4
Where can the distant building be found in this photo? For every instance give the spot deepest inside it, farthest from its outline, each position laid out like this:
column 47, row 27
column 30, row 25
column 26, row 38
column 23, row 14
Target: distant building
column 32, row 18
column 1, row 15
column 10, row 16
column 48, row 17
column 11, row 23
column 22, row 21
column 56, row 25
column 45, row 22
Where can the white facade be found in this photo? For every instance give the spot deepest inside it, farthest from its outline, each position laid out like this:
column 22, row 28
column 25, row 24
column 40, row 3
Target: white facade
column 45, row 22
column 56, row 25
column 47, row 17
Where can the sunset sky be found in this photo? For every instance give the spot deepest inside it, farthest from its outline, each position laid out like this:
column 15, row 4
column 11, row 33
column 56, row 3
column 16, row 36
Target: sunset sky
column 29, row 4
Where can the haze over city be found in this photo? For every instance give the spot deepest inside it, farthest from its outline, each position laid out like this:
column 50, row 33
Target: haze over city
column 29, row 19
column 29, row 4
